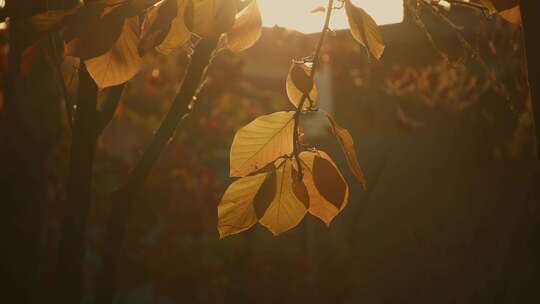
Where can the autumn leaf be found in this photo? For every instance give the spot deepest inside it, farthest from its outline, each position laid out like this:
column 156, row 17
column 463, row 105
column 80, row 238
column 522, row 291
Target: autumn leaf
column 507, row 9
column 300, row 83
column 236, row 212
column 288, row 201
column 512, row 15
column 157, row 25
column 246, row 30
column 364, row 29
column 34, row 27
column 210, row 18
column 178, row 33
column 122, row 62
column 328, row 191
column 97, row 40
column 347, row 145
column 261, row 142
column 501, row 5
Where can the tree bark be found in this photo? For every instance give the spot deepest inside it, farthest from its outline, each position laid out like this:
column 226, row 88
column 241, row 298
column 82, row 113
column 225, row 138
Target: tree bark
column 123, row 199
column 79, row 193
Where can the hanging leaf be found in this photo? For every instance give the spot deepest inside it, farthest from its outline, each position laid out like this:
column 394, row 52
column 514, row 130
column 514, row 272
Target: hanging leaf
column 290, row 200
column 347, row 144
column 157, row 25
column 210, row 18
column 235, row 211
column 97, row 40
column 512, row 15
column 261, row 142
column 300, row 83
column 246, row 29
column 364, row 29
column 122, row 62
column 328, row 191
column 98, row 31
column 507, row 9
column 318, row 9
column 34, row 27
column 178, row 33
column 502, row 5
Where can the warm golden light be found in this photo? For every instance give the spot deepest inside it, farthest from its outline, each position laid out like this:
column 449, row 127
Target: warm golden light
column 296, row 14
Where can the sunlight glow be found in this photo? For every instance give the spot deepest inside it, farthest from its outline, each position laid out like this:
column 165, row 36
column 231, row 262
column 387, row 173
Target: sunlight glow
column 296, row 14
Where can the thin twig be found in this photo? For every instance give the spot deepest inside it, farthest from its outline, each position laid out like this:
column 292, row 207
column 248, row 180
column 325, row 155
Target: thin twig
column 316, row 55
column 124, row 197
column 422, row 26
column 475, row 54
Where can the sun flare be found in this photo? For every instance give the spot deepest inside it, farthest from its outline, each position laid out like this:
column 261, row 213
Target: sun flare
column 296, row 14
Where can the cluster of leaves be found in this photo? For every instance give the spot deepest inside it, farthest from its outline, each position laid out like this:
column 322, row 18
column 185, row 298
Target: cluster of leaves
column 112, row 36
column 281, row 177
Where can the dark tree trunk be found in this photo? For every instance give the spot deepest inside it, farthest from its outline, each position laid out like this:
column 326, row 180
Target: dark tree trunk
column 79, row 193
column 30, row 127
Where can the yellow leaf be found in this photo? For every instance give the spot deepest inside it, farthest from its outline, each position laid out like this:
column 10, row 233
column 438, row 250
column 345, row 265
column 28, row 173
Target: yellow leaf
column 210, row 18
column 246, row 29
column 328, row 191
column 512, row 15
column 347, row 144
column 298, row 83
column 261, row 142
column 289, row 203
column 122, row 62
column 157, row 25
column 235, row 211
column 364, row 29
column 178, row 33
column 507, row 9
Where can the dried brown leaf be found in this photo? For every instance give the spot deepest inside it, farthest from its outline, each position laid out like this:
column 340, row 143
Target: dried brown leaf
column 347, row 144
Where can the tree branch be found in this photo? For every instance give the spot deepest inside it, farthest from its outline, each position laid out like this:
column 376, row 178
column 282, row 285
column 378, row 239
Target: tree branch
column 109, row 109
column 79, row 190
column 316, row 55
column 122, row 199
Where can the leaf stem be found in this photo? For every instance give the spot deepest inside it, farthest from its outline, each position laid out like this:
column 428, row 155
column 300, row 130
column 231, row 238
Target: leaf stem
column 318, row 48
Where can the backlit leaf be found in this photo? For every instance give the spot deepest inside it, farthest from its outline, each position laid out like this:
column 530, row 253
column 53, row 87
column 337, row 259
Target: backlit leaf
column 290, row 202
column 235, row 211
column 157, row 25
column 210, row 18
column 261, row 142
column 507, row 9
column 247, row 28
column 328, row 191
column 299, row 82
column 512, row 15
column 178, row 33
column 364, row 29
column 122, row 62
column 347, row 144
column 99, row 38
